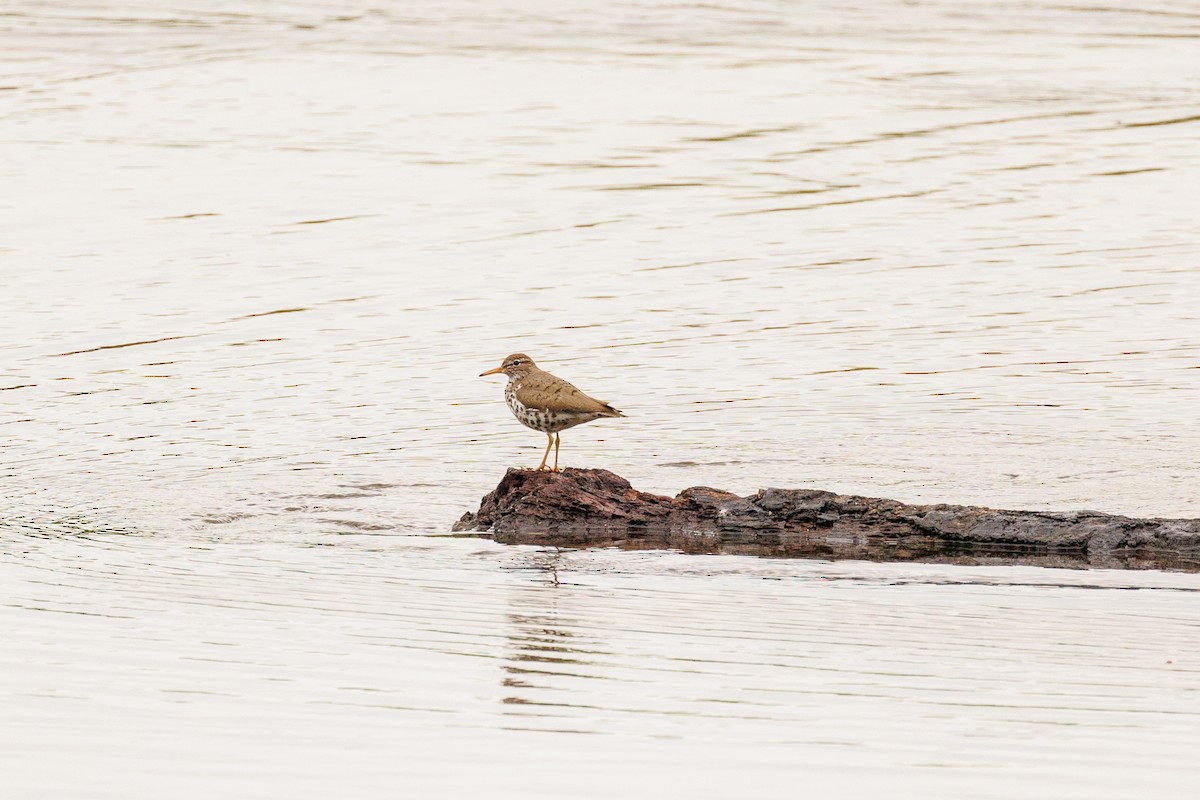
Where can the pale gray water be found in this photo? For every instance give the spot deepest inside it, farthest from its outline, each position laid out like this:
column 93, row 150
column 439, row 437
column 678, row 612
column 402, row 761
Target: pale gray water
column 255, row 254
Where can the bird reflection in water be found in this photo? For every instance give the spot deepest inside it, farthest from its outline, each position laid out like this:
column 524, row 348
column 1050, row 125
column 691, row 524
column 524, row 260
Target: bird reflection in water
column 546, row 651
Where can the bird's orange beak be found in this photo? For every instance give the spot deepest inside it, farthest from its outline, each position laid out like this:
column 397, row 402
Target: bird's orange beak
column 492, row 371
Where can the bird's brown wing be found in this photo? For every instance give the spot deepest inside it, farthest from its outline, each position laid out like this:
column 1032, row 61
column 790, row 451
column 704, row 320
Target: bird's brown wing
column 549, row 393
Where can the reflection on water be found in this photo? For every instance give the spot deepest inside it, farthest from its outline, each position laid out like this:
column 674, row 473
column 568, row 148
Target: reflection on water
column 378, row 662
column 255, row 255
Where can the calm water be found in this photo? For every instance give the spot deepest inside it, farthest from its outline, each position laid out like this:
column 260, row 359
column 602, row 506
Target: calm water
column 254, row 255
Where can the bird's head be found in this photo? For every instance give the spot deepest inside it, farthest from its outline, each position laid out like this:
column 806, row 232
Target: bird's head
column 515, row 365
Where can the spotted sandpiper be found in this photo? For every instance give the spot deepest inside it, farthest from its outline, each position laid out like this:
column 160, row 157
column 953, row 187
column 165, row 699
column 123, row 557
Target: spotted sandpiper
column 546, row 403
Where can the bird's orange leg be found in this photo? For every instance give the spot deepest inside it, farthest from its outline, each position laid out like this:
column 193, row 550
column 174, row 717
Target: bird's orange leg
column 557, row 442
column 545, row 455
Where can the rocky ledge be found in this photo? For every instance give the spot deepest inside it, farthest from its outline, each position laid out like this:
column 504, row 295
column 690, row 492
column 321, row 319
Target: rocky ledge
column 594, row 507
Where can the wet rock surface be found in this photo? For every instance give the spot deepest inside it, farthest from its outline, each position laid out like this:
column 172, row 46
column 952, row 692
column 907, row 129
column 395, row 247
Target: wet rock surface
column 595, row 507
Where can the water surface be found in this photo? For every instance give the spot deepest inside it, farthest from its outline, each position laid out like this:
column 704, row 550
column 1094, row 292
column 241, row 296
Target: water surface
column 255, row 254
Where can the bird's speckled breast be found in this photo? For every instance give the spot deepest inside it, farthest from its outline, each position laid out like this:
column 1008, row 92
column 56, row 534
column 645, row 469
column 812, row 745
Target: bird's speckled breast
column 539, row 418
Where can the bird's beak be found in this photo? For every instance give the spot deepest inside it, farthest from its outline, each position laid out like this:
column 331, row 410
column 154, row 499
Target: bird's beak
column 492, row 371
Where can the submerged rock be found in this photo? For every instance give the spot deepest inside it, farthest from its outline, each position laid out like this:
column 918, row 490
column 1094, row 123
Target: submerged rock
column 595, row 507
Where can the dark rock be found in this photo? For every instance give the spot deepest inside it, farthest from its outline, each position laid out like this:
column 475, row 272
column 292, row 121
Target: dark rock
column 579, row 507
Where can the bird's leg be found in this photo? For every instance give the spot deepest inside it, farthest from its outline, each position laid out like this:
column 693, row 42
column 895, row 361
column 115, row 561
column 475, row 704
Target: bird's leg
column 545, row 455
column 557, row 442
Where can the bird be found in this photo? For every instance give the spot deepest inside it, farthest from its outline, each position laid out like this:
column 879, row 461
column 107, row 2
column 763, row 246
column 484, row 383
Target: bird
column 546, row 402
